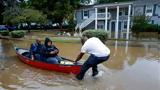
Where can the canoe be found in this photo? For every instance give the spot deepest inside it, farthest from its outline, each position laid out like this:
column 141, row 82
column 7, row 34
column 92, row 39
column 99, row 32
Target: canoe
column 65, row 66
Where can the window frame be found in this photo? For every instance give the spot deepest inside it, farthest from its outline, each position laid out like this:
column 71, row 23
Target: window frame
column 149, row 10
column 87, row 14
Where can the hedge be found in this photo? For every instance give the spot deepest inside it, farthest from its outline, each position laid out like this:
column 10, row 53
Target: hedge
column 4, row 33
column 17, row 34
column 136, row 28
column 101, row 34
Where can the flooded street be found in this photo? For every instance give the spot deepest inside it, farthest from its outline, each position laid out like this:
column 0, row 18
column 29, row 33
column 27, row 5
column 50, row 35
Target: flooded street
column 132, row 66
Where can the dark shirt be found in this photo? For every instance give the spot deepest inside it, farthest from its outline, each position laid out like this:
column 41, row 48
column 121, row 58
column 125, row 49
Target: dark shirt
column 35, row 48
column 46, row 51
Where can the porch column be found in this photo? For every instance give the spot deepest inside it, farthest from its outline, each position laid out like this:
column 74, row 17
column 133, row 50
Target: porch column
column 128, row 21
column 96, row 18
column 110, row 31
column 117, row 23
column 126, row 47
column 80, row 31
column 106, row 18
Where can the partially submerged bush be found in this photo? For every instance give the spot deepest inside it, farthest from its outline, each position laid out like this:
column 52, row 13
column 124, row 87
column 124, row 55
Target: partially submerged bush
column 4, row 33
column 101, row 34
column 17, row 34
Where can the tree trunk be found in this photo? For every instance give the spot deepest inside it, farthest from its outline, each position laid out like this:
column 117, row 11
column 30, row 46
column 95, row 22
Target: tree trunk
column 60, row 26
column 29, row 27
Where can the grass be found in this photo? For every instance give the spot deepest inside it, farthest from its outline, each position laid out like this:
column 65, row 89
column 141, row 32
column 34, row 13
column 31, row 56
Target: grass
column 61, row 39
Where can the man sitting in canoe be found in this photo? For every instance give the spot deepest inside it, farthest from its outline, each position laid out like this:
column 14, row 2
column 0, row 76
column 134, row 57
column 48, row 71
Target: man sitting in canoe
column 35, row 50
column 50, row 52
column 98, row 51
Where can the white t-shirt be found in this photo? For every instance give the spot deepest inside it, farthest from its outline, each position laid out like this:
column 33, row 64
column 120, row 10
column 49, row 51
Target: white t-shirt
column 96, row 47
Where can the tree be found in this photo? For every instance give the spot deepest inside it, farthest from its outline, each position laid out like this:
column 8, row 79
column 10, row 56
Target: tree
column 11, row 11
column 57, row 10
column 29, row 16
column 139, row 24
column 18, row 12
column 1, row 11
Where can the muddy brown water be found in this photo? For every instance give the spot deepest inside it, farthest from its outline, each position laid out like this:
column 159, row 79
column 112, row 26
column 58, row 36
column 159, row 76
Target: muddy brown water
column 132, row 66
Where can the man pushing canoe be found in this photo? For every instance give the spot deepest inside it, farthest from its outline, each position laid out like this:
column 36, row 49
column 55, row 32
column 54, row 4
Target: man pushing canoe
column 98, row 51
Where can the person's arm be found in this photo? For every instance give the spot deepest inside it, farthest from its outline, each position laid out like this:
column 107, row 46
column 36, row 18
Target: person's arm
column 56, row 51
column 79, row 57
column 32, row 51
column 32, row 57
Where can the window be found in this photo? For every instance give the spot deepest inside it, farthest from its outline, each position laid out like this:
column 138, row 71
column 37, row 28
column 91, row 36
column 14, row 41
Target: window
column 101, row 10
column 100, row 26
column 152, row 21
column 120, row 13
column 85, row 14
column 125, row 25
column 149, row 10
column 126, row 11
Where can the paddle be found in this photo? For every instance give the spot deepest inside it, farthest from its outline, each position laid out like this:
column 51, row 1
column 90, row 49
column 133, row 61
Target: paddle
column 67, row 59
column 70, row 60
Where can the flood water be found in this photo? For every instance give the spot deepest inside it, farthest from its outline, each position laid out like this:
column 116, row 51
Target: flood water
column 132, row 66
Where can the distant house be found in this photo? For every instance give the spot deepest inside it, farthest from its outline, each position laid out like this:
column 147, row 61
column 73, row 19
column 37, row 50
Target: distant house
column 150, row 8
column 116, row 18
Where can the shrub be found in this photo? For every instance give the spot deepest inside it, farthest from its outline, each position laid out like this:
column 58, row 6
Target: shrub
column 4, row 33
column 151, row 28
column 101, row 34
column 17, row 34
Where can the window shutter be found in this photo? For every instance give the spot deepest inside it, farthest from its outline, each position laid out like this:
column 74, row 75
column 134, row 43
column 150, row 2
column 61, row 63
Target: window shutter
column 154, row 10
column 88, row 13
column 82, row 13
column 144, row 10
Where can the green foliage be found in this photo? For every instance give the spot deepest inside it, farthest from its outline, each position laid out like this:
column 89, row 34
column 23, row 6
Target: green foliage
column 10, row 14
column 30, row 15
column 21, row 12
column 1, row 11
column 151, row 28
column 17, row 34
column 4, row 33
column 57, row 10
column 11, row 11
column 71, row 22
column 141, row 24
column 101, row 34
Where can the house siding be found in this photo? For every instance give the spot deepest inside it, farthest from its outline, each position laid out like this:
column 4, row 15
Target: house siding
column 91, row 12
column 157, row 11
column 138, row 8
column 79, row 16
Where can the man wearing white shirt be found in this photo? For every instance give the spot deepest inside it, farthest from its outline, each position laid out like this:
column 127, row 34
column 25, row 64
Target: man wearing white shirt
column 98, row 51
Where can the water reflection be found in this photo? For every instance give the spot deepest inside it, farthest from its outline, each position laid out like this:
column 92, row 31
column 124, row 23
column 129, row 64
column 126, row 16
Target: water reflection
column 132, row 66
column 128, row 52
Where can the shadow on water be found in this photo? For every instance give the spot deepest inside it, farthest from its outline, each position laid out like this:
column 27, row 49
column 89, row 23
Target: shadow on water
column 132, row 66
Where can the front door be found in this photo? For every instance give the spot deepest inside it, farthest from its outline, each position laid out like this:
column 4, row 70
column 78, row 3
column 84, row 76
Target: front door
column 113, row 23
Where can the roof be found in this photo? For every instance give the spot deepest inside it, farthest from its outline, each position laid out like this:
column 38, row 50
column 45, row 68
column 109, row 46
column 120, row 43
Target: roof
column 106, row 5
column 114, row 4
column 146, row 2
column 134, row 2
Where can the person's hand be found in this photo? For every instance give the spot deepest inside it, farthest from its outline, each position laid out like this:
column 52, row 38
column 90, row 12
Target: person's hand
column 52, row 52
column 75, row 62
column 32, row 58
